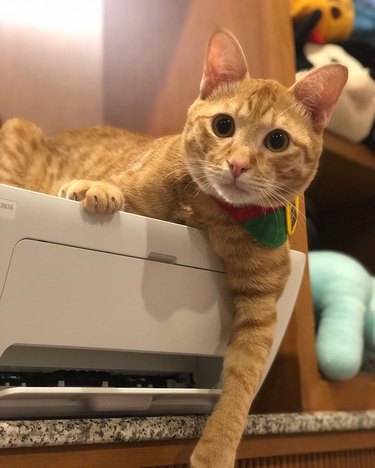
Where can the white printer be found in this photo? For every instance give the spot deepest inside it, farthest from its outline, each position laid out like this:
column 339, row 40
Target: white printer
column 110, row 314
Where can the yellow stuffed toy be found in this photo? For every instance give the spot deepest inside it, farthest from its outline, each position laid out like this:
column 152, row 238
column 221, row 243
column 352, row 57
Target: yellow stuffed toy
column 336, row 18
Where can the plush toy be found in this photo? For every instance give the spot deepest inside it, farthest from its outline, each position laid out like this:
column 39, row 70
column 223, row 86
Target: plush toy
column 369, row 355
column 344, row 298
column 364, row 26
column 354, row 114
column 364, row 52
column 302, row 33
column 333, row 23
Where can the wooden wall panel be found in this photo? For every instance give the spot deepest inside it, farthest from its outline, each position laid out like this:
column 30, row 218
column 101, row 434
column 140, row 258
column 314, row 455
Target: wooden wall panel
column 51, row 63
column 154, row 51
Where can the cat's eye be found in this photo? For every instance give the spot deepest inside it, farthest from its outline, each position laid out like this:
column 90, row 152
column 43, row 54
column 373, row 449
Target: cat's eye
column 223, row 126
column 277, row 140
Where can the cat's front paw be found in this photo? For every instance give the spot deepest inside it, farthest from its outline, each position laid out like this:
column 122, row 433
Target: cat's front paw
column 96, row 196
column 207, row 455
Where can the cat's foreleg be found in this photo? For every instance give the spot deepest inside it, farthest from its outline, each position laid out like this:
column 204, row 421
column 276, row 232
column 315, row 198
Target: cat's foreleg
column 248, row 348
column 256, row 276
column 95, row 196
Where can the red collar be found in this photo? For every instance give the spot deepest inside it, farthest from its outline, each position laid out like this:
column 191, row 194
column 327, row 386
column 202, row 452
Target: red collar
column 245, row 213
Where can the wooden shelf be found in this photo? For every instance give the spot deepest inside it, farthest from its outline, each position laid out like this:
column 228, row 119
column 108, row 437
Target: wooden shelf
column 356, row 153
column 346, row 174
column 343, row 194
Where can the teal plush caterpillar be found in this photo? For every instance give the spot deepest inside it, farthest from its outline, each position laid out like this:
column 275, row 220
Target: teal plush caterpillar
column 344, row 303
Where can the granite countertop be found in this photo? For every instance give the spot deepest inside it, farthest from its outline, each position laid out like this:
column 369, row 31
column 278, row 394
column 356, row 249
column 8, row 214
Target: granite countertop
column 33, row 433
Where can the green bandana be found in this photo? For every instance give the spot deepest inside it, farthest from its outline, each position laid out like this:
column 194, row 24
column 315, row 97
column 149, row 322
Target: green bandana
column 266, row 225
column 269, row 229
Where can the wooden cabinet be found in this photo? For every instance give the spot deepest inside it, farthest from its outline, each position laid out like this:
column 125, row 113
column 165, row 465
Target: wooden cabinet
column 327, row 450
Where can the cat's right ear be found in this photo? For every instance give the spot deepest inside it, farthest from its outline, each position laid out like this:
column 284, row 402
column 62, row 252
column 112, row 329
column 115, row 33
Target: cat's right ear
column 225, row 62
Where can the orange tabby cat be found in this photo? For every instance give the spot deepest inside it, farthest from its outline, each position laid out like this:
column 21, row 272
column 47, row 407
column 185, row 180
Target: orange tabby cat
column 248, row 146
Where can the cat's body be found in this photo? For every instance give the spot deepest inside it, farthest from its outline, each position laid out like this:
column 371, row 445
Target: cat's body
column 225, row 152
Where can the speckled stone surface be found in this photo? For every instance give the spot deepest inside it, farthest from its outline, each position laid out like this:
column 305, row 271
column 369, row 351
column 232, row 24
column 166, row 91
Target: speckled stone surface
column 29, row 433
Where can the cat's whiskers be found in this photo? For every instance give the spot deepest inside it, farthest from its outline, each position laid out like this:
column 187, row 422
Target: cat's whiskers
column 300, row 213
column 285, row 202
column 174, row 171
column 270, row 191
column 269, row 199
column 201, row 184
column 276, row 189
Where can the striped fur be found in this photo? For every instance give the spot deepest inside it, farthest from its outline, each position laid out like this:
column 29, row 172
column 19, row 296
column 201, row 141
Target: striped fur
column 171, row 178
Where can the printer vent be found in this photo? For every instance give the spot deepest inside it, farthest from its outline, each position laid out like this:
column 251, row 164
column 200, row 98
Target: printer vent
column 64, row 378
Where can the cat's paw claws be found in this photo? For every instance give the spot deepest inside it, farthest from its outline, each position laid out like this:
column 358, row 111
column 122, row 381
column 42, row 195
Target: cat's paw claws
column 96, row 197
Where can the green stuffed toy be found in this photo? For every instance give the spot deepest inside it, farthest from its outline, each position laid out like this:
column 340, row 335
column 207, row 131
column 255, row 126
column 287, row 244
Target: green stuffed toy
column 344, row 303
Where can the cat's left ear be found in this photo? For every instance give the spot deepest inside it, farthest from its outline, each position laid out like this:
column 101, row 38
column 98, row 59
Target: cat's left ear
column 319, row 90
column 225, row 62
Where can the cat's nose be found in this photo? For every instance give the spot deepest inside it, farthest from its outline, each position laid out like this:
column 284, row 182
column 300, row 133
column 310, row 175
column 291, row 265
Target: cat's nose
column 237, row 167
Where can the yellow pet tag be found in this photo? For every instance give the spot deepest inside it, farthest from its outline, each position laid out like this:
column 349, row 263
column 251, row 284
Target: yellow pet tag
column 291, row 212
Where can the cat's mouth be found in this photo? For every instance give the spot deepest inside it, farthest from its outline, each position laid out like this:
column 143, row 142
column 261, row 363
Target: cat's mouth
column 235, row 186
column 235, row 193
column 231, row 190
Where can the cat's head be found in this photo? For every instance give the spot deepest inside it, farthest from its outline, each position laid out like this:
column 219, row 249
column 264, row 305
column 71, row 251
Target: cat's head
column 255, row 142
